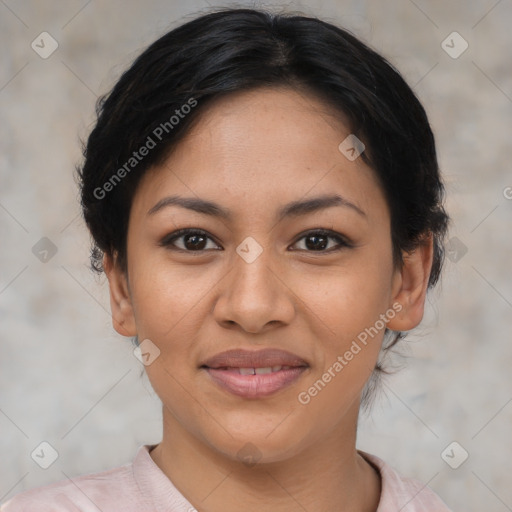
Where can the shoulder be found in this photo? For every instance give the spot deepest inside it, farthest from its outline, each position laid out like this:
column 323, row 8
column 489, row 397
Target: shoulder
column 79, row 494
column 402, row 493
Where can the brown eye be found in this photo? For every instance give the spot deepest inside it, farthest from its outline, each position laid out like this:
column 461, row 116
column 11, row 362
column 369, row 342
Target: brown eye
column 317, row 241
column 191, row 240
column 195, row 240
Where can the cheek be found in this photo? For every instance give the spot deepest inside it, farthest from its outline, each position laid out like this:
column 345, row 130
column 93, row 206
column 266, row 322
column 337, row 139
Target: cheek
column 348, row 303
column 166, row 296
column 171, row 305
column 347, row 299
column 349, row 306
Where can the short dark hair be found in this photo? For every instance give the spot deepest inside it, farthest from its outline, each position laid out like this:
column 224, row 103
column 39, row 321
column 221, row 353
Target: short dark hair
column 232, row 50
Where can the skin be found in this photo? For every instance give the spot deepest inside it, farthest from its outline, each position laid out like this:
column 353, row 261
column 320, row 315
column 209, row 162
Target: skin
column 253, row 152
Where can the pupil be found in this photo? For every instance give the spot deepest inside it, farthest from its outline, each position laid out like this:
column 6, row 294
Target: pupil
column 316, row 246
column 195, row 244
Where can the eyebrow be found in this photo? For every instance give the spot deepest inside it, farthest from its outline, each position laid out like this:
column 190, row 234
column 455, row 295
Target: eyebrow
column 293, row 209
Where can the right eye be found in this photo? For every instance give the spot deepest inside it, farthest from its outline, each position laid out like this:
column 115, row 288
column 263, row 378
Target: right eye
column 192, row 240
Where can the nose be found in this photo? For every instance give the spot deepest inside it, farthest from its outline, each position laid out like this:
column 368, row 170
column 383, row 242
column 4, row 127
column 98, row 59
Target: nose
column 255, row 296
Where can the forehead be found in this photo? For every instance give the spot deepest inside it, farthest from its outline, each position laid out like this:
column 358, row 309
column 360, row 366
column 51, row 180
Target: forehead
column 251, row 150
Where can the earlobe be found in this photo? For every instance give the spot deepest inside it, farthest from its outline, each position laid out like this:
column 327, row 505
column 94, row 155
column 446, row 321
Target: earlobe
column 123, row 319
column 411, row 286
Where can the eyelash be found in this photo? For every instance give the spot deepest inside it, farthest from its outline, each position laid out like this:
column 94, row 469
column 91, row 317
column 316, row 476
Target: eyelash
column 168, row 240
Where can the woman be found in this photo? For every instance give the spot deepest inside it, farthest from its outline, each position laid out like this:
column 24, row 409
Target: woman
column 264, row 197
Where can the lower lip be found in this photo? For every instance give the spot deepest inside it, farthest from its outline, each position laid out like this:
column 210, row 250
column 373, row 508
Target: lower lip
column 255, row 386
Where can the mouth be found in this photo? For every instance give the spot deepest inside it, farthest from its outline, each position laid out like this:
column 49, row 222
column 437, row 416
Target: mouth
column 254, row 374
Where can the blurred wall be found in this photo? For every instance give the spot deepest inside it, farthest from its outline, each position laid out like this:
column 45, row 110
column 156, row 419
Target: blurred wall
column 68, row 379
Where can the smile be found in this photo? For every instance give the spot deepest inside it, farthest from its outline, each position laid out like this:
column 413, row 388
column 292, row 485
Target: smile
column 257, row 371
column 254, row 374
column 255, row 382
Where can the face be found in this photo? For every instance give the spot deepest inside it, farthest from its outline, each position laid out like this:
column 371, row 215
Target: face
column 307, row 280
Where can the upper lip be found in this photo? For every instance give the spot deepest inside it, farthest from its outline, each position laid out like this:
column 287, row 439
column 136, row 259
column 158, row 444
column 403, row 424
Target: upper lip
column 239, row 358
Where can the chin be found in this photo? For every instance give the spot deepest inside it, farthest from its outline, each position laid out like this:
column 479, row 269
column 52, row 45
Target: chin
column 264, row 445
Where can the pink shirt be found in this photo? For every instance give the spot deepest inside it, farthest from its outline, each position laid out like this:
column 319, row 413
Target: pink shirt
column 141, row 486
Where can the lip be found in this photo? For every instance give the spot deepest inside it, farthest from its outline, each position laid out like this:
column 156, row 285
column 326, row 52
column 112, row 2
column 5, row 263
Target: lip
column 240, row 358
column 224, row 367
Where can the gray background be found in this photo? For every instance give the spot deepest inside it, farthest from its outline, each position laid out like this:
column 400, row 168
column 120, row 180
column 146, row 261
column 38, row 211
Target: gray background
column 67, row 378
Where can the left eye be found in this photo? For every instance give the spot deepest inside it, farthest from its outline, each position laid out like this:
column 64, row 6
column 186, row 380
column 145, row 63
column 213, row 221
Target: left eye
column 194, row 240
column 319, row 240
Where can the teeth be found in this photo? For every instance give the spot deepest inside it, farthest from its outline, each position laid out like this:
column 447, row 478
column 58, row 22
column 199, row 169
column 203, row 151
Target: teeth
column 261, row 371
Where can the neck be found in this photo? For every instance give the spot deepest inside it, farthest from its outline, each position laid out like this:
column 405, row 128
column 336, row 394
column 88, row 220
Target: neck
column 327, row 475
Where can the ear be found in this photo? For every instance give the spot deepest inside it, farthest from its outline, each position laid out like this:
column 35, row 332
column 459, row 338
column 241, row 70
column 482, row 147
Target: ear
column 123, row 319
column 410, row 285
